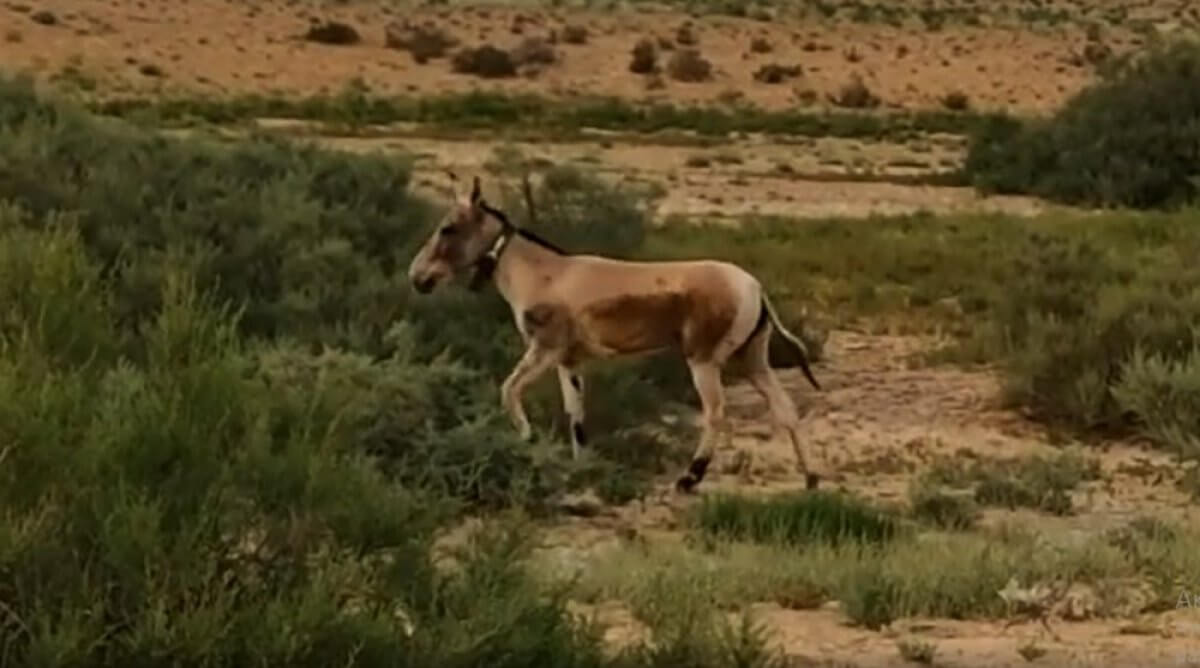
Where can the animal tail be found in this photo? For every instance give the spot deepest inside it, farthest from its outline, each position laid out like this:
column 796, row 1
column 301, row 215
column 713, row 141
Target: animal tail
column 791, row 338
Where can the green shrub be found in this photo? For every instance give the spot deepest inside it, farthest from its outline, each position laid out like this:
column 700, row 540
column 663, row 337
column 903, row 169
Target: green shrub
column 1131, row 140
column 942, row 509
column 222, row 440
column 1080, row 326
column 312, row 244
column 1164, row 393
column 1041, row 483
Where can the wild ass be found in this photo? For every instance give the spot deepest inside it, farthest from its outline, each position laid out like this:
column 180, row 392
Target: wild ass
column 571, row 308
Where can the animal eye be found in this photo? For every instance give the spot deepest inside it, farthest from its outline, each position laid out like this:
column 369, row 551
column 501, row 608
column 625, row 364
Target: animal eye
column 448, row 230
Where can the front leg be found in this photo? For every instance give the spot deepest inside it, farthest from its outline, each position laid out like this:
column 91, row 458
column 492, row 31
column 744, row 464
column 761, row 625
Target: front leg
column 571, row 384
column 536, row 361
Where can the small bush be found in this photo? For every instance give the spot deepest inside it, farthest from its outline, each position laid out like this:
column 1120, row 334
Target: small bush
column 575, row 34
column 956, row 101
column 1080, row 330
column 773, row 73
column 941, row 509
column 423, row 42
column 1041, row 483
column 685, row 35
column 855, row 95
column 1129, row 140
column 644, row 58
column 916, row 651
column 688, row 65
column 760, row 45
column 795, row 519
column 1097, row 53
column 333, row 33
column 485, row 61
column 1164, row 393
column 534, row 51
column 44, row 17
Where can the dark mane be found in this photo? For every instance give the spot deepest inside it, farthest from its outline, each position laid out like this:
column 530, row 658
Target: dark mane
column 527, row 234
column 540, row 241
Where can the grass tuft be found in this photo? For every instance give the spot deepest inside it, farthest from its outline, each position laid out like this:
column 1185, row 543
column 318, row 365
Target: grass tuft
column 795, row 519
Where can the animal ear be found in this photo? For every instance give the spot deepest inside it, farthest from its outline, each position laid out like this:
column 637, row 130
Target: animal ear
column 476, row 195
column 454, row 191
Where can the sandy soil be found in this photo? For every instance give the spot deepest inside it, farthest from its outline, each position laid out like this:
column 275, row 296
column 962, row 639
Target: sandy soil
column 220, row 47
column 882, row 420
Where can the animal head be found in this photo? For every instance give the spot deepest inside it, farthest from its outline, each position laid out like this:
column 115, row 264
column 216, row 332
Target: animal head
column 460, row 240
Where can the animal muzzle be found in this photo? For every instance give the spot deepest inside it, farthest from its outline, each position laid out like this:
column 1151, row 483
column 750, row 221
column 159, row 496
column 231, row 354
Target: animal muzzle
column 424, row 284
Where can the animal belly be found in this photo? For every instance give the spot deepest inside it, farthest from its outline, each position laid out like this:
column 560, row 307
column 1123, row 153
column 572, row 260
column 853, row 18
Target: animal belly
column 632, row 324
column 629, row 339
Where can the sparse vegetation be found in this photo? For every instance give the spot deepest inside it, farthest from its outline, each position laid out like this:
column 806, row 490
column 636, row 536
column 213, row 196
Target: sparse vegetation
column 955, row 575
column 943, row 509
column 772, row 73
column 855, row 95
column 685, row 35
column 534, row 51
column 333, row 33
column 689, row 66
column 916, row 651
column 485, row 61
column 644, row 57
column 44, row 17
column 424, row 42
column 575, row 34
column 1034, row 482
column 1031, row 651
column 956, row 101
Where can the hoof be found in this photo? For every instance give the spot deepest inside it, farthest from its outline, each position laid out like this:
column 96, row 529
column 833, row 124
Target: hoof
column 687, row 483
column 811, row 481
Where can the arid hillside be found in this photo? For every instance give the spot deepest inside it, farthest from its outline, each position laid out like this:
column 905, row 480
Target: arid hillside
column 1027, row 63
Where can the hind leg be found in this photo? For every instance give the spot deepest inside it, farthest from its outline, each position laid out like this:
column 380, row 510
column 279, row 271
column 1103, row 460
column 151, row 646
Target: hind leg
column 783, row 411
column 706, row 376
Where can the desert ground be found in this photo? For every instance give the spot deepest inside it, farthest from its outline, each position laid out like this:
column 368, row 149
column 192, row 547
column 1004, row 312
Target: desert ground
column 989, row 57
column 883, row 417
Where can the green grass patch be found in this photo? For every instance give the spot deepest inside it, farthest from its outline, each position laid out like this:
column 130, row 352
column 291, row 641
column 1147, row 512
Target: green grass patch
column 930, row 574
column 795, row 519
column 551, row 117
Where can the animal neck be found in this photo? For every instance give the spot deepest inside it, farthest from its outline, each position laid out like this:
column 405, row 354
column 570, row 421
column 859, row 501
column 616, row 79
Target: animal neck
column 523, row 266
column 485, row 266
